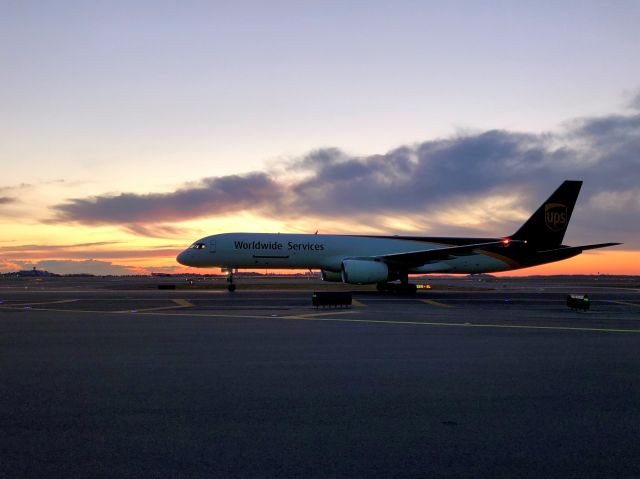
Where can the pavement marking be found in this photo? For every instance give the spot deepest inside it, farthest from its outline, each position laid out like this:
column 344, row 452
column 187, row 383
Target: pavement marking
column 626, row 303
column 471, row 325
column 60, row 301
column 183, row 302
column 433, row 302
column 346, row 320
column 316, row 315
column 142, row 312
column 179, row 304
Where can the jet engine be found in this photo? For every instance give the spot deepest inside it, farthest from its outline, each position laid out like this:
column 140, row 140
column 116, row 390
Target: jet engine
column 331, row 276
column 356, row 271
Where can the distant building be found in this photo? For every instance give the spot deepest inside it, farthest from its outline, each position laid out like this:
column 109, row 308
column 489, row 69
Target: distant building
column 34, row 273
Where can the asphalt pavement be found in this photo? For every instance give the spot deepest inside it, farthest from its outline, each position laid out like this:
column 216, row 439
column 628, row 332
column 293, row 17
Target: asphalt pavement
column 499, row 382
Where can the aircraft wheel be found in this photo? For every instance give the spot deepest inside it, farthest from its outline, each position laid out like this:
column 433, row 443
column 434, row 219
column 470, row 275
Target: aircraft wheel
column 382, row 287
column 231, row 288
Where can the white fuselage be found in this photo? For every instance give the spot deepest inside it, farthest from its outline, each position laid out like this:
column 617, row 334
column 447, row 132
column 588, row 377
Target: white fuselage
column 327, row 252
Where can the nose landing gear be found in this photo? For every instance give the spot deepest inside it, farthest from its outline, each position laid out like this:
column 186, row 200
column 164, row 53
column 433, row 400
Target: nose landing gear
column 231, row 286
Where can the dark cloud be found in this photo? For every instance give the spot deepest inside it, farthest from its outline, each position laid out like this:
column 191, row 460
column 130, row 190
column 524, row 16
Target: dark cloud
column 209, row 197
column 6, row 200
column 420, row 180
column 409, row 179
column 157, row 231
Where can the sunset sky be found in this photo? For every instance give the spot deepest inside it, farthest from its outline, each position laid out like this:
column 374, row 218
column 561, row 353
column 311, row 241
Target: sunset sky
column 130, row 129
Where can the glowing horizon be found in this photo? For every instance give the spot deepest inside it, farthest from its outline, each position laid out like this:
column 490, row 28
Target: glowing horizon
column 144, row 256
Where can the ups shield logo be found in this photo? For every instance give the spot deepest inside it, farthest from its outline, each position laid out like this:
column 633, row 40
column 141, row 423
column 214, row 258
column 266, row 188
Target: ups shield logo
column 555, row 216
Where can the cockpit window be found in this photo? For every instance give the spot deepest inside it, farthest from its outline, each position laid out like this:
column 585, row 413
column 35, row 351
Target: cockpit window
column 197, row 246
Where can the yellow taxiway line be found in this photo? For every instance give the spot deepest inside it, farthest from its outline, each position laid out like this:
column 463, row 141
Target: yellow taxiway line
column 323, row 317
column 433, row 302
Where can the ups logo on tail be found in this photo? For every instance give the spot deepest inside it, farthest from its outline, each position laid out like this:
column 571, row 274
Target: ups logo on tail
column 555, row 216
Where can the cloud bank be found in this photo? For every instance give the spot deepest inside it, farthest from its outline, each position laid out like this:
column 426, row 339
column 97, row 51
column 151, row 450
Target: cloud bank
column 442, row 184
column 209, row 196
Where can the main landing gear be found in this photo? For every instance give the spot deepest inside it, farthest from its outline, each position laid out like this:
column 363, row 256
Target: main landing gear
column 402, row 288
column 231, row 286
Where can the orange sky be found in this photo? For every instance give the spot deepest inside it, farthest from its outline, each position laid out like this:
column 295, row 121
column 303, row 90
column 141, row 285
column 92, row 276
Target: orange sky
column 613, row 261
column 99, row 249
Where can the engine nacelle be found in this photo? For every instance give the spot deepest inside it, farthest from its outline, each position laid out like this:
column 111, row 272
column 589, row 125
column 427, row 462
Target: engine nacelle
column 356, row 271
column 331, row 276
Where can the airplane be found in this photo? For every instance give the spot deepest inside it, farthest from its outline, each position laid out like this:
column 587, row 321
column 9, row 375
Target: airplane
column 382, row 260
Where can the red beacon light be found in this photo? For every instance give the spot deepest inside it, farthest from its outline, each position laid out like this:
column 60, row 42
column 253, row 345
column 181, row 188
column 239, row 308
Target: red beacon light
column 506, row 241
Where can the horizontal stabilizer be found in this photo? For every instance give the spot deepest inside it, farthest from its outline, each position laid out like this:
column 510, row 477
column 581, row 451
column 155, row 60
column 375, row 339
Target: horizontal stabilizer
column 415, row 258
column 580, row 249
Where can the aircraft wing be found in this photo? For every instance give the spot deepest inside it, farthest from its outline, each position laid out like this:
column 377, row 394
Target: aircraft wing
column 415, row 258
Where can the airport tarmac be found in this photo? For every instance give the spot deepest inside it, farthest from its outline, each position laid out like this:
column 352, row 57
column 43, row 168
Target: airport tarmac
column 470, row 379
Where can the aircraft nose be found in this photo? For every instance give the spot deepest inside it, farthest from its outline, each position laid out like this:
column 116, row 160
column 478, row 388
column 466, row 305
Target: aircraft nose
column 184, row 258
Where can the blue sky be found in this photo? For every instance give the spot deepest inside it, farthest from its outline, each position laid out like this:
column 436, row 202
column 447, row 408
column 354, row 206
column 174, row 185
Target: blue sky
column 230, row 85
